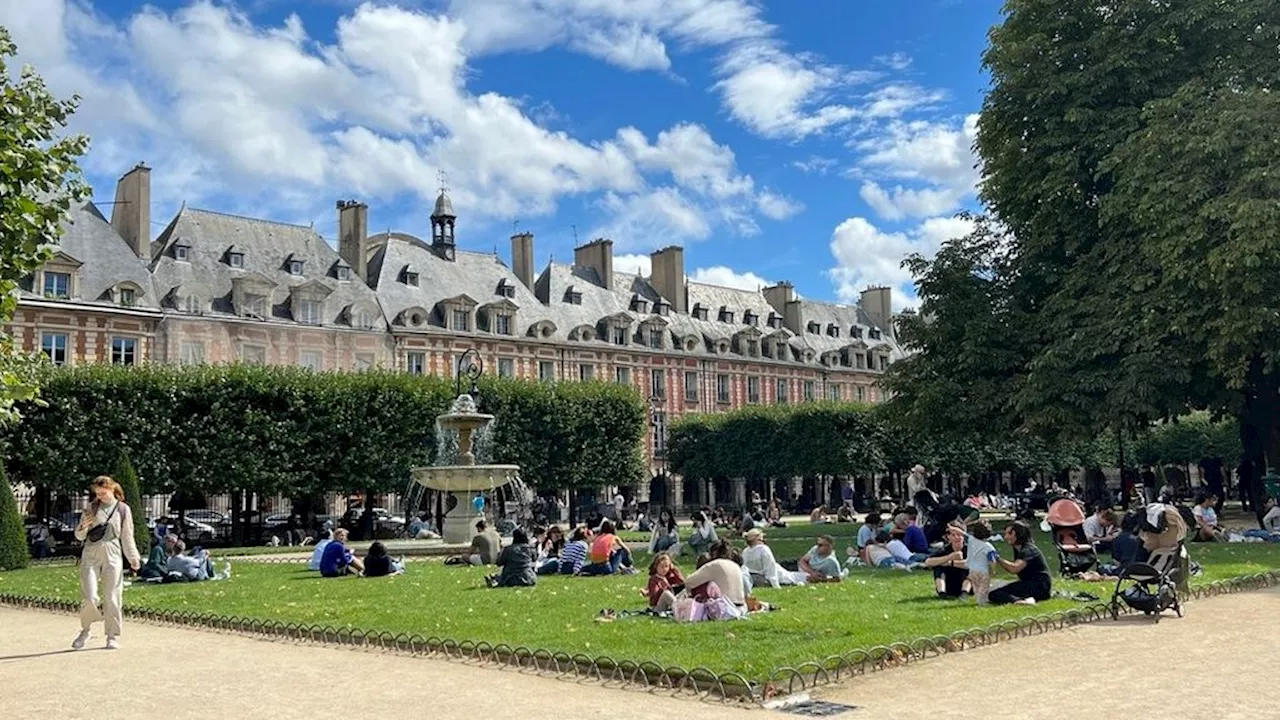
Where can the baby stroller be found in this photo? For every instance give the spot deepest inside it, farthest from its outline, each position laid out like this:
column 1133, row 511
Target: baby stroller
column 1065, row 521
column 1150, row 587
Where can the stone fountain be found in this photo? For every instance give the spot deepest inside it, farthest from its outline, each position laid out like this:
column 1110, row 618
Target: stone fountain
column 459, row 475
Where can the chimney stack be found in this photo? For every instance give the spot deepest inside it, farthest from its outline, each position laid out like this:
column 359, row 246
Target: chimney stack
column 522, row 258
column 353, row 236
column 878, row 304
column 597, row 255
column 667, row 277
column 782, row 298
column 131, row 213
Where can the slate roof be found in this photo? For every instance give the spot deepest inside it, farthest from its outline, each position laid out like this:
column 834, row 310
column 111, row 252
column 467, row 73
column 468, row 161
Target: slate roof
column 267, row 247
column 844, row 317
column 106, row 260
column 475, row 275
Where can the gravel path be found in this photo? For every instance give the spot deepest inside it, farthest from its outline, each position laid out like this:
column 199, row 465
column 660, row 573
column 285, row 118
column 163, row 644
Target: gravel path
column 1217, row 657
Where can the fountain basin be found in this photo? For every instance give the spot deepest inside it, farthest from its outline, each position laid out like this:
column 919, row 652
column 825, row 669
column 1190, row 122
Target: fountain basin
column 461, row 481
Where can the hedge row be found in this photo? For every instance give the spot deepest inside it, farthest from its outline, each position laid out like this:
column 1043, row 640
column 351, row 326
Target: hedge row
column 292, row 431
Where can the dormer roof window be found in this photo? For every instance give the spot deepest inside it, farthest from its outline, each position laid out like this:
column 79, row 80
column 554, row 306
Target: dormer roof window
column 181, row 252
column 572, row 296
column 700, row 312
column 662, row 307
column 409, row 276
column 342, row 272
column 855, row 331
column 235, row 258
column 639, row 304
column 775, row 320
column 833, row 330
column 726, row 315
column 293, row 265
column 750, row 318
column 506, row 289
column 875, row 333
column 814, row 328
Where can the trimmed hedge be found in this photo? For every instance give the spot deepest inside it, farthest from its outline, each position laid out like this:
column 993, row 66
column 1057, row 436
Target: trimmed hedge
column 14, row 554
column 128, row 479
column 288, row 430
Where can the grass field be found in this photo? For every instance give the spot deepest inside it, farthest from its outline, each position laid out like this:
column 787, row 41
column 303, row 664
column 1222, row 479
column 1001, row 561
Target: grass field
column 871, row 607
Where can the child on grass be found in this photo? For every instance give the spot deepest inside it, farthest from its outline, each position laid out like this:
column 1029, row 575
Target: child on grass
column 665, row 582
column 981, row 555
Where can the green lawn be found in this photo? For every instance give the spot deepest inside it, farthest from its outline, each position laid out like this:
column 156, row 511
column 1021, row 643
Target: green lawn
column 872, row 607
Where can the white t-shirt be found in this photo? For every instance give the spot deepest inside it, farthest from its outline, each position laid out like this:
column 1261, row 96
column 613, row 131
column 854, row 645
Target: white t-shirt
column 1093, row 528
column 899, row 550
column 1271, row 521
column 759, row 560
column 1206, row 514
column 619, row 502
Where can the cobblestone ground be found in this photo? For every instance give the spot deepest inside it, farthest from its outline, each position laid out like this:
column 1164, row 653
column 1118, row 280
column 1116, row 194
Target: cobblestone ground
column 1218, row 662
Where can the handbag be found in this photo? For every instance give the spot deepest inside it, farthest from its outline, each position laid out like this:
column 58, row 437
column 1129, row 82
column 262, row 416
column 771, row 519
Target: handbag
column 97, row 532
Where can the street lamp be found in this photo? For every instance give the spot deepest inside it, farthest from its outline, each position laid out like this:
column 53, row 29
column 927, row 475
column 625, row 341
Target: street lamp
column 471, row 369
column 659, row 439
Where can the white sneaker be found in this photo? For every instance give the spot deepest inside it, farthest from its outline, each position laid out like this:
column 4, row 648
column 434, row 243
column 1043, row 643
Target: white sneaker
column 81, row 639
column 112, row 643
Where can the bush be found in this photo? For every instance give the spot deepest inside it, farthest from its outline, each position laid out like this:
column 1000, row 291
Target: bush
column 128, row 479
column 14, row 553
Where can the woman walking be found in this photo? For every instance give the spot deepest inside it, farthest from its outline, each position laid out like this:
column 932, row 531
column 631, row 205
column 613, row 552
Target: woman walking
column 106, row 528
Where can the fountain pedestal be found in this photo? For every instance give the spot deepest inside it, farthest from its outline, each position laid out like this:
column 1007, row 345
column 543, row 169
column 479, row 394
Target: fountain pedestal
column 465, row 478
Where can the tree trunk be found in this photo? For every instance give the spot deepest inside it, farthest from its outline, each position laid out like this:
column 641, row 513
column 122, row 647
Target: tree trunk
column 1256, row 429
column 237, row 521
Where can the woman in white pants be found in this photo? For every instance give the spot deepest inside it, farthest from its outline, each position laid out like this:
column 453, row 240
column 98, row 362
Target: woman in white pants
column 106, row 528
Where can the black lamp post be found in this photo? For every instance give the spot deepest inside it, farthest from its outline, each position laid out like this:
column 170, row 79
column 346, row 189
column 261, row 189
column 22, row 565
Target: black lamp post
column 471, row 369
column 659, row 442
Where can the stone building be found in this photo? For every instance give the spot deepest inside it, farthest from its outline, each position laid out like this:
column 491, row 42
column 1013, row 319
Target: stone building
column 218, row 288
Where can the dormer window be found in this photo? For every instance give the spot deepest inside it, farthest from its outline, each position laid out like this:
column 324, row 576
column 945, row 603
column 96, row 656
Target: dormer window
column 235, row 259
column 726, row 315
column 875, row 333
column 775, row 320
column 409, row 276
column 192, row 305
column 506, row 289
column 619, row 335
column 833, row 330
column 814, row 328
column 655, row 338
column 254, row 306
column 749, row 318
column 461, row 320
column 753, row 348
column 663, row 308
column 343, row 273
column 310, row 312
column 856, row 332
column 573, row 297
column 294, row 267
column 128, row 297
column 181, row 253
column 639, row 304
column 502, row 324
column 57, row 284
column 700, row 312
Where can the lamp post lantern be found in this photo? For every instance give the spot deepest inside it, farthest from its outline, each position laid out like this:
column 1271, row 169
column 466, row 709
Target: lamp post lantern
column 472, row 367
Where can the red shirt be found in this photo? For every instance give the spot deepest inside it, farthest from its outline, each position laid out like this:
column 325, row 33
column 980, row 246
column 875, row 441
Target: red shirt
column 659, row 584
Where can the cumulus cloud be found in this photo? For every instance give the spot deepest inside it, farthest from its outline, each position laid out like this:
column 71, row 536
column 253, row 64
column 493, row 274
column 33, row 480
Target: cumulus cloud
column 641, row 265
column 269, row 115
column 932, row 166
column 727, row 277
column 866, row 255
column 777, row 207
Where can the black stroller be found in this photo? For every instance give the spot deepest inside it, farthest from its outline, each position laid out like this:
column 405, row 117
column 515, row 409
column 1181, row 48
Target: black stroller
column 1150, row 587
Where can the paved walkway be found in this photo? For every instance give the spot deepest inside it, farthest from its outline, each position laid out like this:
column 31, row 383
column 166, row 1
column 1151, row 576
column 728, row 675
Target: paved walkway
column 1216, row 658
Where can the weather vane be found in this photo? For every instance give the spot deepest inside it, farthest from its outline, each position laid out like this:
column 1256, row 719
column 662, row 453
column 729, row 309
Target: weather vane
column 444, row 183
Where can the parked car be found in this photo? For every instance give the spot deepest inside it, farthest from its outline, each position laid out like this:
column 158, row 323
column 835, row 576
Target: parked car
column 195, row 531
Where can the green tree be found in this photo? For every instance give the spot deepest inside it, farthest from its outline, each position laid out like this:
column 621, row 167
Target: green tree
column 14, row 554
column 128, row 479
column 39, row 181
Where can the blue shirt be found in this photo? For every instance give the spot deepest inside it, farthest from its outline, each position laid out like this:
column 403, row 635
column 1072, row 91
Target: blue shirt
column 317, row 555
column 827, row 566
column 335, row 558
column 866, row 534
column 573, row 557
column 915, row 540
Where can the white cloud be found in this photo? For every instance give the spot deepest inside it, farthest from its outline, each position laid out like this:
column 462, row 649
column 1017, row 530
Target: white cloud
column 721, row 275
column 778, row 94
column 815, row 165
column 866, row 255
column 275, row 118
column 933, row 164
column 640, row 265
column 777, row 207
column 897, row 61
column 651, row 219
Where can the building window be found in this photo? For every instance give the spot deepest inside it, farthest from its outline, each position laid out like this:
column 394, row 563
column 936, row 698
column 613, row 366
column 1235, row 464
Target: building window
column 546, row 370
column 722, row 388
column 54, row 346
column 124, row 351
column 753, row 348
column 808, row 390
column 658, row 383
column 235, row 259
column 57, row 285
column 506, row 368
column 253, row 354
column 659, row 434
column 191, row 304
column 655, row 338
column 690, row 386
column 859, row 361
column 415, row 363
column 573, row 297
column 781, row 394
column 309, row 312
column 344, row 273
column 295, row 267
column 753, row 389
column 311, row 360
column 461, row 320
column 411, row 278
column 875, row 333
column 622, row 375
column 619, row 335
column 502, row 324
column 363, row 361
column 180, row 252
column 586, row 373
column 833, row 392
column 862, row 394
column 884, row 363
column 255, row 306
column 128, row 297
column 191, row 353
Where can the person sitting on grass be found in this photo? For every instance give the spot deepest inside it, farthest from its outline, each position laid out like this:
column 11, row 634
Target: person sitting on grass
column 704, row 534
column 377, row 563
column 1207, row 527
column 609, row 555
column 912, row 535
column 517, row 561
column 819, row 516
column 550, row 545
column 1270, row 530
column 760, row 565
column 879, row 556
column 191, row 568
column 1034, row 583
column 575, row 552
column 724, row 572
column 725, row 550
column 1100, row 529
column 666, row 534
column 665, row 582
column 868, row 531
column 337, row 559
column 157, row 565
column 844, row 514
column 820, row 565
column 775, row 514
column 950, row 571
column 902, row 553
column 485, row 545
column 326, row 537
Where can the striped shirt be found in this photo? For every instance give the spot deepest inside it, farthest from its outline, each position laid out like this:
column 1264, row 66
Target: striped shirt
column 573, row 557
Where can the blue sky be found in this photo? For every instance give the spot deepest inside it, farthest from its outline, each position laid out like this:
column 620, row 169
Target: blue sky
column 817, row 141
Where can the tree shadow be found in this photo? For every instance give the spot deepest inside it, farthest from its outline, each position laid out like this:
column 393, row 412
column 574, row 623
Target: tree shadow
column 50, row 653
